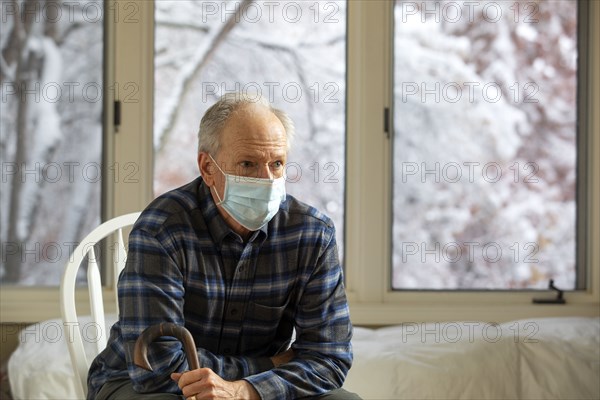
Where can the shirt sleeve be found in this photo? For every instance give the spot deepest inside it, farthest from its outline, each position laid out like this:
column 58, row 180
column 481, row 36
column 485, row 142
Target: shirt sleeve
column 151, row 291
column 323, row 352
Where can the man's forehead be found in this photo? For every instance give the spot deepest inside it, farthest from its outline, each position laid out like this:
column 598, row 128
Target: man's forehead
column 240, row 152
column 261, row 127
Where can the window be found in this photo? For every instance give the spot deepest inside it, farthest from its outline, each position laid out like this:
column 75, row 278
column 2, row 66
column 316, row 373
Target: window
column 368, row 162
column 292, row 53
column 51, row 143
column 485, row 145
column 372, row 158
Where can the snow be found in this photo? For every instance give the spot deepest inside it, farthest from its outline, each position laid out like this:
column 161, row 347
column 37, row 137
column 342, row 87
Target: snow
column 524, row 212
column 63, row 136
column 472, row 98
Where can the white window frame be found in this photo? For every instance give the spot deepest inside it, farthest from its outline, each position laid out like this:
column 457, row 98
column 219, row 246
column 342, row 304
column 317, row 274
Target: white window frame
column 368, row 184
column 368, row 195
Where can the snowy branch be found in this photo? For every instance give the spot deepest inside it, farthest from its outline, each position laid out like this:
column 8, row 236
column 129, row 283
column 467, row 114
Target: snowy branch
column 190, row 72
column 181, row 25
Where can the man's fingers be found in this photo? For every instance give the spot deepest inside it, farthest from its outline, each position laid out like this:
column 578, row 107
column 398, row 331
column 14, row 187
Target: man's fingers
column 205, row 384
column 189, row 377
column 175, row 376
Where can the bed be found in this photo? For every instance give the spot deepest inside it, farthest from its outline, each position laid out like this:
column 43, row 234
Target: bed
column 548, row 358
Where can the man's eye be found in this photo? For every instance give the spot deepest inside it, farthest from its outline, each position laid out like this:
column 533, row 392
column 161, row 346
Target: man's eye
column 246, row 164
column 278, row 164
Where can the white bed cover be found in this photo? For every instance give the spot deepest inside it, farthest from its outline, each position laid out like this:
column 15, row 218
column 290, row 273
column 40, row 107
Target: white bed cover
column 551, row 358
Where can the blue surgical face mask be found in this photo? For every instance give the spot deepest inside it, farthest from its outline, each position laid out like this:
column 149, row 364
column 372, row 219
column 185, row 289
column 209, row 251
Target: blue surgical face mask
column 252, row 202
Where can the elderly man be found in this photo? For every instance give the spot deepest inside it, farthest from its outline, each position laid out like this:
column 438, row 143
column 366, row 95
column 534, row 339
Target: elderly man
column 240, row 264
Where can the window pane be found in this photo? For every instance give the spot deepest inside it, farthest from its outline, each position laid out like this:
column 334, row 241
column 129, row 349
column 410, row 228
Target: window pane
column 291, row 52
column 484, row 144
column 51, row 124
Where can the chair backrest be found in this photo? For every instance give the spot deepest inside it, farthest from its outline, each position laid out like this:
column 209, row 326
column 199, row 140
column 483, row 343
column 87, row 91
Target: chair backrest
column 67, row 292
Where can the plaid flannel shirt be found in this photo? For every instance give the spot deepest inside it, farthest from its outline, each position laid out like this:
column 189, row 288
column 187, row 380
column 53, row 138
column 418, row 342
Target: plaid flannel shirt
column 240, row 300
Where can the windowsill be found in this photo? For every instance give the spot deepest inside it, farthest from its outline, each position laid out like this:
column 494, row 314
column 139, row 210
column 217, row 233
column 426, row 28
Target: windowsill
column 26, row 305
column 34, row 304
column 391, row 314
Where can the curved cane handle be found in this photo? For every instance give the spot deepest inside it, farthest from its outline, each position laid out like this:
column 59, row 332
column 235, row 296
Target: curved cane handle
column 140, row 352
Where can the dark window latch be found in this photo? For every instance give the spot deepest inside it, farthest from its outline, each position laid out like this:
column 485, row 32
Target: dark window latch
column 117, row 115
column 386, row 121
column 559, row 296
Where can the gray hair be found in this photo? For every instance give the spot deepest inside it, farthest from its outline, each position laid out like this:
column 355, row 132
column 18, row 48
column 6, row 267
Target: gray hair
column 213, row 121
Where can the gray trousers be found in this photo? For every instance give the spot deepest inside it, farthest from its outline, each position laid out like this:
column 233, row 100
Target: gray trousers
column 123, row 390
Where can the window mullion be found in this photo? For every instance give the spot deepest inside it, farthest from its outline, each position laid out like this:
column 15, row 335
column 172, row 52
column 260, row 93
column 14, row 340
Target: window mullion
column 130, row 168
column 368, row 156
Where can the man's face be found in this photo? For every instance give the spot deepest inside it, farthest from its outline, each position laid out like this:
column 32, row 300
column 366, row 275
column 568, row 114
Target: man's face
column 253, row 144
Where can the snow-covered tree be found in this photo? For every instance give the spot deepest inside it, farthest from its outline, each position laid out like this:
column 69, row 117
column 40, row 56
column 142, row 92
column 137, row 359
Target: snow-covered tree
column 51, row 141
column 504, row 74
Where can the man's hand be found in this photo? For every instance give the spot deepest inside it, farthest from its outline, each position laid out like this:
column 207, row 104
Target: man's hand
column 282, row 358
column 203, row 383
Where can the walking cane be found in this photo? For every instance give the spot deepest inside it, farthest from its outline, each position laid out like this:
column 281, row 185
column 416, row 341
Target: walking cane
column 140, row 352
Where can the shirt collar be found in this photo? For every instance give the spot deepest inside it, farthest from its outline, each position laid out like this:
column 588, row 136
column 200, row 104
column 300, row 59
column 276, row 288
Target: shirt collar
column 217, row 227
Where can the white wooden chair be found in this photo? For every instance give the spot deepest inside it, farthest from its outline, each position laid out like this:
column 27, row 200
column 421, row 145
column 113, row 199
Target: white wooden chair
column 67, row 293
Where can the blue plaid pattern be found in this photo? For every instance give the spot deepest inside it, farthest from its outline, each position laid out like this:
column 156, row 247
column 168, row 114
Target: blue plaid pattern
column 240, row 300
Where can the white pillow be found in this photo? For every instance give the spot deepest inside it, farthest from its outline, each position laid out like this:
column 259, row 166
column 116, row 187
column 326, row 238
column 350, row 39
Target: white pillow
column 40, row 367
column 544, row 358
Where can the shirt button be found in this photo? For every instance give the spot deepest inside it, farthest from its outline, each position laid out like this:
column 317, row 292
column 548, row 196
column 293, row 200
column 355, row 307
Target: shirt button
column 227, row 350
column 234, row 311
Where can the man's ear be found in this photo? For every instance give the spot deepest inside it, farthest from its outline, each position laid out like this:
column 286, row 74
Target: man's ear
column 206, row 168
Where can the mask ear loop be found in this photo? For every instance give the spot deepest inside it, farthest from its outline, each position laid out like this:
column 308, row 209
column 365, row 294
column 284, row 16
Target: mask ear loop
column 213, row 186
